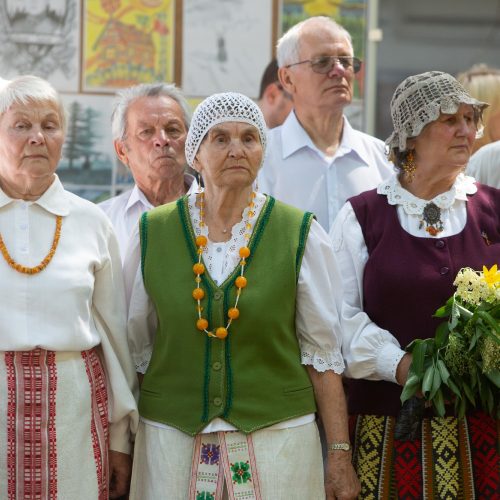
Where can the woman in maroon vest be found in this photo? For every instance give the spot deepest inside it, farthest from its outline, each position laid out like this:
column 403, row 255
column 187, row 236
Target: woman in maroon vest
column 398, row 249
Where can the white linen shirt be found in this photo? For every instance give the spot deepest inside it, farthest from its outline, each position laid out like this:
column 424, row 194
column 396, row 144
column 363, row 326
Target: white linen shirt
column 74, row 304
column 297, row 172
column 371, row 352
column 125, row 210
column 316, row 318
column 484, row 165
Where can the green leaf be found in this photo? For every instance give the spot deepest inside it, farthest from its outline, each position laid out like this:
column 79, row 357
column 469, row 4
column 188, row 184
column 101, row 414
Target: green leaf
column 436, row 383
column 469, row 393
column 445, row 374
column 442, row 333
column 418, row 355
column 438, row 403
column 410, row 388
column 495, row 325
column 454, row 388
column 427, row 380
column 462, row 407
column 445, row 310
column 494, row 376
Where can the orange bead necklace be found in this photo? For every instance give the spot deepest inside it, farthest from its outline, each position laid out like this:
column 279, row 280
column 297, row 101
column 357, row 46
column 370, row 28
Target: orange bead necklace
column 45, row 262
column 199, row 268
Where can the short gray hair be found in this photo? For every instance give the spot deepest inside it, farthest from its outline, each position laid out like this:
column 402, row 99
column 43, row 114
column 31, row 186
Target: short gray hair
column 28, row 89
column 124, row 98
column 288, row 46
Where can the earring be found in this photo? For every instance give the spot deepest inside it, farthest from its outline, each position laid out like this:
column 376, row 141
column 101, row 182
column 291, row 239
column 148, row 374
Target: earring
column 256, row 184
column 198, row 178
column 409, row 166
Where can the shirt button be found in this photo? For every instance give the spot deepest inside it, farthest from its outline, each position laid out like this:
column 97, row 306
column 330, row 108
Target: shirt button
column 444, row 270
column 217, row 295
column 219, row 249
column 217, row 401
column 440, row 244
column 217, row 366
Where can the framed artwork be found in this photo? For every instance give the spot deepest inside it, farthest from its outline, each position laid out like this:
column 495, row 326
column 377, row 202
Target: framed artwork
column 127, row 42
column 41, row 38
column 226, row 45
column 89, row 166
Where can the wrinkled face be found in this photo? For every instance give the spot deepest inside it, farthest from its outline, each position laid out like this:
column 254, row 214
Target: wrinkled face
column 31, row 139
column 446, row 143
column 230, row 155
column 153, row 146
column 309, row 89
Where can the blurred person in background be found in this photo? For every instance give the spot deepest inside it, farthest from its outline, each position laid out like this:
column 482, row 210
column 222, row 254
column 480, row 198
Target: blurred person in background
column 316, row 160
column 483, row 83
column 149, row 126
column 274, row 102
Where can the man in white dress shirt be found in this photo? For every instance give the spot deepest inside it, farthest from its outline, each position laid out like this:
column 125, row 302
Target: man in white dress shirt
column 149, row 127
column 316, row 160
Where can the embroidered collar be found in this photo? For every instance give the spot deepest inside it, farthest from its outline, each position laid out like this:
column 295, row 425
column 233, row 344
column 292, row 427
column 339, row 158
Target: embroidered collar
column 397, row 195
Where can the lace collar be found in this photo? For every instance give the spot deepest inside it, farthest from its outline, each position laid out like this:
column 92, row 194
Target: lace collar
column 397, row 195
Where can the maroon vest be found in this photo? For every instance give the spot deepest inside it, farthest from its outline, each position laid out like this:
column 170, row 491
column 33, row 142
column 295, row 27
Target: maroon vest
column 407, row 278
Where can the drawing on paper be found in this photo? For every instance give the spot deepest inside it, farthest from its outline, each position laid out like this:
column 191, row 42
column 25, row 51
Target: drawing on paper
column 226, row 45
column 41, row 38
column 127, row 42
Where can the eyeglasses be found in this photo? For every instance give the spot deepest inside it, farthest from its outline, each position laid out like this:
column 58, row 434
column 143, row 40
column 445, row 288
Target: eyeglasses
column 324, row 64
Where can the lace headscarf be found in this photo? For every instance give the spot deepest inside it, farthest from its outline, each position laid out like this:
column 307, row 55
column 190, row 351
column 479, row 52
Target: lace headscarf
column 220, row 108
column 419, row 100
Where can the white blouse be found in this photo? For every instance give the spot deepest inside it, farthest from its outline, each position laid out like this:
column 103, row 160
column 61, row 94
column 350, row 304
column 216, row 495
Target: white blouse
column 77, row 302
column 371, row 352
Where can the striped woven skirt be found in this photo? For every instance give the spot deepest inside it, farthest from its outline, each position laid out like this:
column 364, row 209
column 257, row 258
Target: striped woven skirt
column 453, row 459
column 53, row 426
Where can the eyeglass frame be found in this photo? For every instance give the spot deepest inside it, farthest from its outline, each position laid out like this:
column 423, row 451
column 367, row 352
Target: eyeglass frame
column 356, row 62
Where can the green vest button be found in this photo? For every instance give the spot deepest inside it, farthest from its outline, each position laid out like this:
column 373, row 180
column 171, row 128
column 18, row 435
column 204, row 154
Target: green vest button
column 217, row 365
column 217, row 401
column 217, row 295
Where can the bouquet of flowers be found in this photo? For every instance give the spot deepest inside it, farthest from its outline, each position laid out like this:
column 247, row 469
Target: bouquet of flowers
column 461, row 364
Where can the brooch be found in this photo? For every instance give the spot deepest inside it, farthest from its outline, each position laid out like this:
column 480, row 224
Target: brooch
column 431, row 216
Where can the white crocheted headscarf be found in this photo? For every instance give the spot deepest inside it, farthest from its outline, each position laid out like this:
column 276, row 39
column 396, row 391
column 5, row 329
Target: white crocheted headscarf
column 419, row 100
column 220, row 108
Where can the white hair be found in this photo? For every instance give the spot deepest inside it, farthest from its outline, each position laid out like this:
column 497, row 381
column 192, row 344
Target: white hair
column 288, row 46
column 27, row 89
column 126, row 97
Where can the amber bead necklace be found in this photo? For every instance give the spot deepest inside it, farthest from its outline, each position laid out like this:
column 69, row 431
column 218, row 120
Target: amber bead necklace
column 45, row 262
column 199, row 268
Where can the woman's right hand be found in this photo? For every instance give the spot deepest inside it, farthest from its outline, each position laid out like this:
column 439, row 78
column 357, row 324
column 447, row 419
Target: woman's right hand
column 402, row 369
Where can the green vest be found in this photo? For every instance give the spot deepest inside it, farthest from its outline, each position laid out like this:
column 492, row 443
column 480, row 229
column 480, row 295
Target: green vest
column 254, row 377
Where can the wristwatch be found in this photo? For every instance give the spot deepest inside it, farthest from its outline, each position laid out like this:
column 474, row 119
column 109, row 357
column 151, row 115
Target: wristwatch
column 339, row 446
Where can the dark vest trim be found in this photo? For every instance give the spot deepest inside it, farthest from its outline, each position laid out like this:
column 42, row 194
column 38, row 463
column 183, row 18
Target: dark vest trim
column 144, row 239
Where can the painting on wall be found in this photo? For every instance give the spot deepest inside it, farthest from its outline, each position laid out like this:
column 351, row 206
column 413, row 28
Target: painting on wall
column 89, row 166
column 127, row 42
column 41, row 38
column 225, row 45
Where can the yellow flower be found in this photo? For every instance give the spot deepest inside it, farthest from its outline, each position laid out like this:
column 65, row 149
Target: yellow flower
column 491, row 276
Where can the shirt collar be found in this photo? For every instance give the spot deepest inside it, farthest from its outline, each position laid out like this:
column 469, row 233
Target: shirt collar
column 137, row 196
column 294, row 137
column 54, row 200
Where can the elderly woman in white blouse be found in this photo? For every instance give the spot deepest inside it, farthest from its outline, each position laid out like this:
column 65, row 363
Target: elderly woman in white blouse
column 398, row 249
column 66, row 376
column 232, row 323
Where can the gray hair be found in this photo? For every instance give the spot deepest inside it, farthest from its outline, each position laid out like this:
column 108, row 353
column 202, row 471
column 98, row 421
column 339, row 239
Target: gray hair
column 124, row 98
column 28, row 89
column 288, row 46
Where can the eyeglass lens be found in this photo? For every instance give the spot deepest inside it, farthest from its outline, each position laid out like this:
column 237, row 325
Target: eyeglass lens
column 324, row 64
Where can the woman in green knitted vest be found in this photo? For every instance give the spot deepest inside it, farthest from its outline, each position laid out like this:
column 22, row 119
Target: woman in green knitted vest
column 234, row 333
